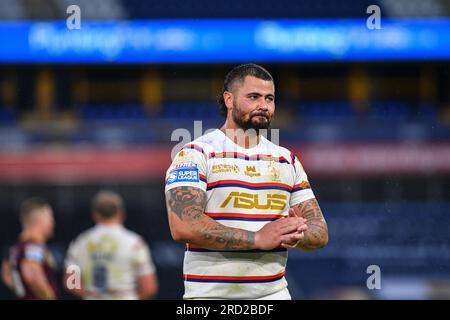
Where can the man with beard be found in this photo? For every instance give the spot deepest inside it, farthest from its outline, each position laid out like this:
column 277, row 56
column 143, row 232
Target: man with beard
column 239, row 201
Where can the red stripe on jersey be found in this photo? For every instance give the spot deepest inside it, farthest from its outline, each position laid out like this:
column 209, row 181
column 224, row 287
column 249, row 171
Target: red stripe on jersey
column 244, row 156
column 195, row 276
column 243, row 215
column 261, row 184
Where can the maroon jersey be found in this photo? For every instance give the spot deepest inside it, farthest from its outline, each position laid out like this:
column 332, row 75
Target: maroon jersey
column 33, row 251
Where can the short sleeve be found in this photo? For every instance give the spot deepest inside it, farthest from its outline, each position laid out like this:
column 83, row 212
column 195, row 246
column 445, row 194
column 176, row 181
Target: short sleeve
column 72, row 255
column 187, row 169
column 142, row 259
column 34, row 252
column 301, row 190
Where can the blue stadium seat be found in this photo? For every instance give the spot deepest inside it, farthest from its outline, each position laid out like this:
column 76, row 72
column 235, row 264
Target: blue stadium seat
column 426, row 112
column 110, row 112
column 190, row 110
column 7, row 116
column 326, row 111
column 390, row 111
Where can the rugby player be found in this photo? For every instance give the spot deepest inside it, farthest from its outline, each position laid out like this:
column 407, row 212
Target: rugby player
column 115, row 263
column 29, row 270
column 239, row 201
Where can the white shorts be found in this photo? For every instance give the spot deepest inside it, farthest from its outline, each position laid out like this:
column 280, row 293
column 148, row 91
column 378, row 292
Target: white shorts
column 280, row 295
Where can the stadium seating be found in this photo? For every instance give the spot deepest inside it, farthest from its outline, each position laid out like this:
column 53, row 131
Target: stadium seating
column 109, row 112
column 266, row 9
column 7, row 116
column 140, row 9
column 321, row 121
column 152, row 9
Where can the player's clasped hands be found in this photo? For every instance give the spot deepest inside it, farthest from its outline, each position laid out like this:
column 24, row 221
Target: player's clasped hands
column 286, row 233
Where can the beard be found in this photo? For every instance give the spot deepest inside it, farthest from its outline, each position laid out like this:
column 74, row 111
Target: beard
column 257, row 120
column 49, row 234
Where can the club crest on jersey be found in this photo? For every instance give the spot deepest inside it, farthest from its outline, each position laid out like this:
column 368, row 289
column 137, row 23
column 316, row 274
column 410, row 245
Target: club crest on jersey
column 273, row 171
column 183, row 156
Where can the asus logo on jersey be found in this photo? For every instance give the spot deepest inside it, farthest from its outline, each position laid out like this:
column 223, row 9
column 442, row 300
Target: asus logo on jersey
column 244, row 200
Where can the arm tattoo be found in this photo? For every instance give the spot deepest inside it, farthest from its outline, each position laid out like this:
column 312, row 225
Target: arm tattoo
column 188, row 204
column 186, row 200
column 317, row 234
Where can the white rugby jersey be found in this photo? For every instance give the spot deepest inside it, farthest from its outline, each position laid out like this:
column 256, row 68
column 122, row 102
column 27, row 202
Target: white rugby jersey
column 111, row 258
column 246, row 188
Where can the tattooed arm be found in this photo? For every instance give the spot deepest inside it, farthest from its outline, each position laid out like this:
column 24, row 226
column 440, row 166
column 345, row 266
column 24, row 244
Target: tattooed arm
column 188, row 223
column 316, row 235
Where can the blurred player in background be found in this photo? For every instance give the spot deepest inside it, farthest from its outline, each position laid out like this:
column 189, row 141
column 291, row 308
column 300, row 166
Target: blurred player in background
column 240, row 201
column 29, row 270
column 115, row 263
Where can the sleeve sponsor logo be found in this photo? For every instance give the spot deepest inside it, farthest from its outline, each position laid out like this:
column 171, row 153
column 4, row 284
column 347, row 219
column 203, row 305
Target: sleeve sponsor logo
column 183, row 175
column 186, row 165
column 34, row 252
